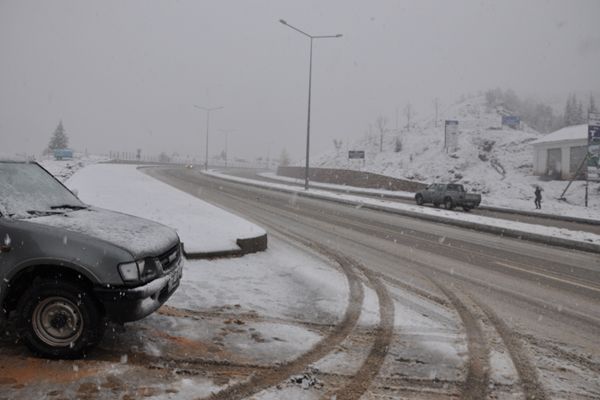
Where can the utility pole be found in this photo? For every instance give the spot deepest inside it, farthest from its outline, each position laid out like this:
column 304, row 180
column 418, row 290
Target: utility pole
column 208, row 110
column 311, row 37
column 436, row 103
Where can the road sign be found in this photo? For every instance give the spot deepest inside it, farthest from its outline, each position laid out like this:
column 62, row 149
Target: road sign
column 593, row 164
column 356, row 154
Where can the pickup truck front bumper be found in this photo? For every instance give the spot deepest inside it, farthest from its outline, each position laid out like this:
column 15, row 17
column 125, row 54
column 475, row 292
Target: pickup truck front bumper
column 126, row 304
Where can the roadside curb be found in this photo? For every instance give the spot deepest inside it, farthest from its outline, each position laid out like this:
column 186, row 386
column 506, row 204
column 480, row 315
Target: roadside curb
column 513, row 233
column 246, row 246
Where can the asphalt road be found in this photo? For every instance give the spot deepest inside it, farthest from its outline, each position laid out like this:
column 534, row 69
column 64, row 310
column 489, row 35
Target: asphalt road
column 519, row 217
column 542, row 302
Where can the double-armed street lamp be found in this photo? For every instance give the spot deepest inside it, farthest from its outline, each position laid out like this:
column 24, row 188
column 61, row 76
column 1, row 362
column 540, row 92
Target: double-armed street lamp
column 208, row 110
column 311, row 37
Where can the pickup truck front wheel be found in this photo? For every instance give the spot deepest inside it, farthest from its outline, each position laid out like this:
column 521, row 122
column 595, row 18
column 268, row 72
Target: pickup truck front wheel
column 419, row 199
column 448, row 203
column 58, row 319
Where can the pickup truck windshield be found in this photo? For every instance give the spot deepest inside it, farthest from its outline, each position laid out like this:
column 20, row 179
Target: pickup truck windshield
column 27, row 190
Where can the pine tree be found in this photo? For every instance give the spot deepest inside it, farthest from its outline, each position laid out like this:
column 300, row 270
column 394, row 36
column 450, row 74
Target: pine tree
column 580, row 118
column 59, row 139
column 592, row 108
column 571, row 114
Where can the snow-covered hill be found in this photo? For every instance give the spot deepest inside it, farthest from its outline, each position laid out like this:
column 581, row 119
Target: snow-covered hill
column 490, row 159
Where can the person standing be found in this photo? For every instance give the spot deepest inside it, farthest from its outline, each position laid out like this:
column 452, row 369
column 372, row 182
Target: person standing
column 538, row 198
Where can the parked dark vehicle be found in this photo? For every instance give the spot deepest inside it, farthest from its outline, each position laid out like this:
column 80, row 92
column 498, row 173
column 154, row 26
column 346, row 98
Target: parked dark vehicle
column 67, row 268
column 450, row 195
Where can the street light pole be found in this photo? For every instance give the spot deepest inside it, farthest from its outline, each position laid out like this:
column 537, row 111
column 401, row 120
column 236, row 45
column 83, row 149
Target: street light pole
column 208, row 110
column 311, row 37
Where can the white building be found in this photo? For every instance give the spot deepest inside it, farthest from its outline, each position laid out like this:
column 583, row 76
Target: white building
column 560, row 153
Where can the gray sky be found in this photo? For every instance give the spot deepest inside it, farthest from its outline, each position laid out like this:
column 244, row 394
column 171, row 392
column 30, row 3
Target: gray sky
column 125, row 74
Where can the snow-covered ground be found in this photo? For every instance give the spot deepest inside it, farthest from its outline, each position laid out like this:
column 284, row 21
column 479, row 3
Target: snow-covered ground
column 494, row 161
column 360, row 201
column 64, row 169
column 202, row 227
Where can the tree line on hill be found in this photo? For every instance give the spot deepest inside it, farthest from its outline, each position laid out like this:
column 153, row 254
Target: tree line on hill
column 541, row 116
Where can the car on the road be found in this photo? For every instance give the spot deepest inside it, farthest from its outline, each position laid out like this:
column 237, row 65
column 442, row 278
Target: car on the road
column 449, row 194
column 68, row 268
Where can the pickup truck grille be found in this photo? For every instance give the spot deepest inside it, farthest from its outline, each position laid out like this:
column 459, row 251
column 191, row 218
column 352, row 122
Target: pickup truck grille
column 169, row 259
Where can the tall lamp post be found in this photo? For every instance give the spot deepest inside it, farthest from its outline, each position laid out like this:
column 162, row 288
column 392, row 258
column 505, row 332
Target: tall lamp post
column 208, row 110
column 311, row 37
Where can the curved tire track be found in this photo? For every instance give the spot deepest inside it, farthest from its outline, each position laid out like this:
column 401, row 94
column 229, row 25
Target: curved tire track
column 265, row 379
column 477, row 381
column 528, row 375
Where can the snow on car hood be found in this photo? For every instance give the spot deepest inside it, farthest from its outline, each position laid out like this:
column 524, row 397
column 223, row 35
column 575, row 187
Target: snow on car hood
column 139, row 236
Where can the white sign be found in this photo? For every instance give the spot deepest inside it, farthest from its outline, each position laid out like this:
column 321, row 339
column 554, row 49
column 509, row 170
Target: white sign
column 451, row 135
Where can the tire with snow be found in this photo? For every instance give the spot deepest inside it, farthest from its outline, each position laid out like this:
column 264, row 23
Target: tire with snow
column 59, row 319
column 448, row 203
column 419, row 199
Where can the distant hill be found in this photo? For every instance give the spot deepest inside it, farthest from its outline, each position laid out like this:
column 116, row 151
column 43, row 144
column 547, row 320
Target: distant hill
column 488, row 156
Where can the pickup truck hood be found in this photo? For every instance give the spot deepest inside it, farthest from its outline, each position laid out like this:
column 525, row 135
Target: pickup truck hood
column 140, row 237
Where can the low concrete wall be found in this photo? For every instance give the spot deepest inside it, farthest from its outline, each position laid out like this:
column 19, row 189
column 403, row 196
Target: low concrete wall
column 352, row 178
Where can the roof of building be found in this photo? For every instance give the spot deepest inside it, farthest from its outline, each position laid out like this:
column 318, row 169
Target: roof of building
column 575, row 132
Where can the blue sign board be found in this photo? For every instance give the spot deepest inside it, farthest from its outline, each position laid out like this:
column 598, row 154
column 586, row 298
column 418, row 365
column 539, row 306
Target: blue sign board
column 511, row 121
column 61, row 154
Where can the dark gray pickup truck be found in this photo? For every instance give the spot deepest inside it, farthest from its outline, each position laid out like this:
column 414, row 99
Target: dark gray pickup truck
column 66, row 268
column 449, row 194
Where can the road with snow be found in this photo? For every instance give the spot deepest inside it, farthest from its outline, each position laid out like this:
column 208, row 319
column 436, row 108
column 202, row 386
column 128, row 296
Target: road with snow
column 518, row 317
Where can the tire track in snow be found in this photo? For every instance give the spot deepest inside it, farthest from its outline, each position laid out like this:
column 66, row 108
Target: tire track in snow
column 265, row 379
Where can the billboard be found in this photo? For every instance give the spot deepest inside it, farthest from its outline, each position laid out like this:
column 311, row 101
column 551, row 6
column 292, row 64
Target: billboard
column 451, row 135
column 356, row 154
column 512, row 121
column 593, row 161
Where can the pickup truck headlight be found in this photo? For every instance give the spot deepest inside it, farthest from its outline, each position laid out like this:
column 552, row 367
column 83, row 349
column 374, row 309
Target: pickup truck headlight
column 129, row 272
column 138, row 271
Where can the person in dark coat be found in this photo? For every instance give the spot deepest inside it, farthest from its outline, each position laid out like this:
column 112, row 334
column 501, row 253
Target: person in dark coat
column 538, row 198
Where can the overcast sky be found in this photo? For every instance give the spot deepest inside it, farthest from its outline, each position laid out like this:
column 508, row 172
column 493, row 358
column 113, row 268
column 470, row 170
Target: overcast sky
column 125, row 74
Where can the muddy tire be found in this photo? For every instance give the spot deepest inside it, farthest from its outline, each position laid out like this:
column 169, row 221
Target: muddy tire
column 58, row 319
column 419, row 199
column 448, row 203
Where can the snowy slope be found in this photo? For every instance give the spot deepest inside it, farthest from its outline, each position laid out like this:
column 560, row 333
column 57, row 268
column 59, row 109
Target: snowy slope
column 494, row 161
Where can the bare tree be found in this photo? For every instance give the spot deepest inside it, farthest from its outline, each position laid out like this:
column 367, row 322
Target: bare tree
column 337, row 143
column 408, row 112
column 284, row 158
column 381, row 123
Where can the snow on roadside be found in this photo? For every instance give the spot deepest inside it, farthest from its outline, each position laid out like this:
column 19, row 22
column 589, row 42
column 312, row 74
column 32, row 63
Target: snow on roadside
column 523, row 202
column 558, row 233
column 202, row 227
column 64, row 169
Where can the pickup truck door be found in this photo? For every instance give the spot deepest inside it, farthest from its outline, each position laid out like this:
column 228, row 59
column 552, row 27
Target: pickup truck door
column 438, row 194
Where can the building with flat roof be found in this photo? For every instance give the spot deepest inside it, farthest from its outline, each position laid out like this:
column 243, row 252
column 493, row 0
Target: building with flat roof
column 559, row 154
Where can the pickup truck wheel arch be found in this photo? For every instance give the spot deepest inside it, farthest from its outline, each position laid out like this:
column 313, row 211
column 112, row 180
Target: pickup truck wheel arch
column 23, row 279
